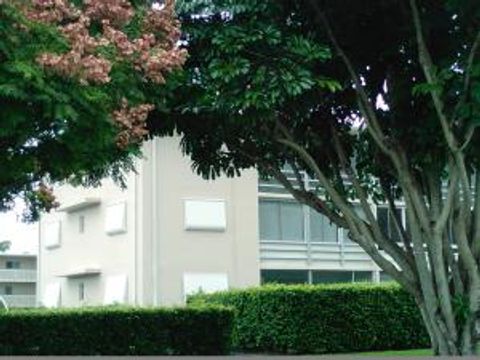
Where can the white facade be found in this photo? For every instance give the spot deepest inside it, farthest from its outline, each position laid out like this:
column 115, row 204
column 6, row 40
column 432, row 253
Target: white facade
column 171, row 233
column 18, row 279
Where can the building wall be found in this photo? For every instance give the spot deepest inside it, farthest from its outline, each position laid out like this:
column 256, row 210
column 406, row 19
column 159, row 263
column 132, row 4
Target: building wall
column 313, row 250
column 156, row 251
column 158, row 254
column 94, row 248
column 178, row 251
column 18, row 284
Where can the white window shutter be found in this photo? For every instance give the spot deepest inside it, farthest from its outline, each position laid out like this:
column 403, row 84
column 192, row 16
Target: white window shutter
column 207, row 215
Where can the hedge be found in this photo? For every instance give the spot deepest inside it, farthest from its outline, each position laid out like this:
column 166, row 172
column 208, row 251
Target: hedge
column 204, row 330
column 312, row 319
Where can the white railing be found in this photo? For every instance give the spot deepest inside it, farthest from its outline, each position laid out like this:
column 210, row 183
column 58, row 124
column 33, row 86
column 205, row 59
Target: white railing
column 20, row 301
column 18, row 275
column 315, row 254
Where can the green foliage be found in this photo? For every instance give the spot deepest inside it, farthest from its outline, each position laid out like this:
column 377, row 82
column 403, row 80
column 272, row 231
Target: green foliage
column 253, row 63
column 305, row 319
column 55, row 129
column 4, row 245
column 202, row 330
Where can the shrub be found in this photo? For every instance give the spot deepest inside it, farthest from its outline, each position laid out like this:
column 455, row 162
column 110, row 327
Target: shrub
column 322, row 318
column 204, row 330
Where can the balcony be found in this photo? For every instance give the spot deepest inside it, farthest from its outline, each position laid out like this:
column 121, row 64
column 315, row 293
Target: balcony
column 299, row 255
column 20, row 301
column 18, row 275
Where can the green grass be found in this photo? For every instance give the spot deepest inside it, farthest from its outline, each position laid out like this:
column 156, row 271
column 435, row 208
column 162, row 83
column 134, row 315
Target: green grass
column 414, row 352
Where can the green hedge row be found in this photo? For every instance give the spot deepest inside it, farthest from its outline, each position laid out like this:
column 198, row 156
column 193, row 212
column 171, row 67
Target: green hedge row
column 204, row 330
column 306, row 319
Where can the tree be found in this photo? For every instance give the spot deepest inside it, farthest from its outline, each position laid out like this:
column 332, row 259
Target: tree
column 73, row 90
column 5, row 245
column 378, row 101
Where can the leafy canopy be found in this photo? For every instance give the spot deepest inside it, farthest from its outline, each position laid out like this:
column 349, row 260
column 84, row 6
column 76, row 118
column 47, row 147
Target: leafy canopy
column 73, row 91
column 255, row 64
column 377, row 101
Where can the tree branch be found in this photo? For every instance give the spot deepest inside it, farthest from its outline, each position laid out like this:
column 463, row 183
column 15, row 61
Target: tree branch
column 407, row 242
column 356, row 224
column 428, row 70
column 373, row 124
column 390, row 246
column 476, row 218
column 447, row 208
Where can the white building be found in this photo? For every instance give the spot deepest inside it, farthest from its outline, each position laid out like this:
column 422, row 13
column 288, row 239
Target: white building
column 18, row 278
column 171, row 233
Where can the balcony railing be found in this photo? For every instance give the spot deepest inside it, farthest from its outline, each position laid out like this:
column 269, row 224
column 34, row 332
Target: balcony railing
column 299, row 254
column 18, row 275
column 20, row 301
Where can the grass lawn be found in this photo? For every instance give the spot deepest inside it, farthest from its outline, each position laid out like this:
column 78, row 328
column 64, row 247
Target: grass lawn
column 414, row 352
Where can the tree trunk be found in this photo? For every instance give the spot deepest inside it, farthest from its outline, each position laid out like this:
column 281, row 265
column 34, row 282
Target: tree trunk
column 442, row 342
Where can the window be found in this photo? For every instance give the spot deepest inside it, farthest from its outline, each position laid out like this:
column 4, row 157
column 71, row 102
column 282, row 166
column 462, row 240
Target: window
column 8, row 289
column 81, row 224
column 315, row 276
column 285, row 220
column 12, row 264
column 321, row 229
column 359, row 210
column 284, row 276
column 81, row 291
column 281, row 220
column 362, row 276
column 327, row 277
column 387, row 222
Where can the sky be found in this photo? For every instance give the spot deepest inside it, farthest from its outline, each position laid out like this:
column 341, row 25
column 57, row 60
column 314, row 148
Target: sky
column 24, row 237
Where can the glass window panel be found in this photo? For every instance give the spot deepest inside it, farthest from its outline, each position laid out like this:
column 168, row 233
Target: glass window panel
column 393, row 229
column 316, row 225
column 346, row 239
column 387, row 222
column 330, row 231
column 359, row 210
column 327, row 277
column 321, row 230
column 362, row 276
column 81, row 291
column 81, row 224
column 382, row 218
column 291, row 221
column 269, row 220
column 13, row 264
column 284, row 276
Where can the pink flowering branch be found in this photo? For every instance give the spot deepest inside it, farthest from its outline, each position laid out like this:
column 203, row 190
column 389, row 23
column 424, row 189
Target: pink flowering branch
column 153, row 54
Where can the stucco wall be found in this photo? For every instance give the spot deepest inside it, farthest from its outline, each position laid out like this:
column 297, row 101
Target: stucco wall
column 156, row 250
column 233, row 251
